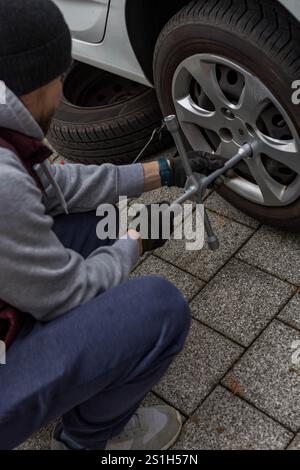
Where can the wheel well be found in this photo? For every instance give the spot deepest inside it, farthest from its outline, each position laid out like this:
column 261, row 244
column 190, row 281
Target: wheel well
column 145, row 20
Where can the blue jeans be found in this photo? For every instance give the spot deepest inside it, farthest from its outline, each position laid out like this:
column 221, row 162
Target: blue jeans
column 94, row 365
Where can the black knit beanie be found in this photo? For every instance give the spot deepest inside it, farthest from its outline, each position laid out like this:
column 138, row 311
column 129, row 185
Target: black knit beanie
column 35, row 44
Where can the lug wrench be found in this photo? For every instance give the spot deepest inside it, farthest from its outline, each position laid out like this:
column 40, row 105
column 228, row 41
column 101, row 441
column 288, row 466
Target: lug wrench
column 197, row 184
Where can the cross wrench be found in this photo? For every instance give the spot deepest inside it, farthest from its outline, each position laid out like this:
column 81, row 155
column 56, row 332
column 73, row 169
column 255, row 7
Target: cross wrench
column 196, row 183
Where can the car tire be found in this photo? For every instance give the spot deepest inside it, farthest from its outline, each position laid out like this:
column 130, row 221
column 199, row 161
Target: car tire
column 111, row 125
column 258, row 34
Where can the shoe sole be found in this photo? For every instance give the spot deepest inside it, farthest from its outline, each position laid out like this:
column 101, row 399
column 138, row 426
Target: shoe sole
column 174, row 439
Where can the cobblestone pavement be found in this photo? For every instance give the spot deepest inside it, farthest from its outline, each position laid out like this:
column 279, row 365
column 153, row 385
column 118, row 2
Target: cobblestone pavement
column 237, row 382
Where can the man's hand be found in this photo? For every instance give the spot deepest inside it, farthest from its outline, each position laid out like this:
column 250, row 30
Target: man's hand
column 134, row 235
column 201, row 162
column 153, row 224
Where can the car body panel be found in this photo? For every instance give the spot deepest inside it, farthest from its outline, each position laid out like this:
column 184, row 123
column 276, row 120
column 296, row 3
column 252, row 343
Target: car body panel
column 86, row 18
column 114, row 52
column 293, row 6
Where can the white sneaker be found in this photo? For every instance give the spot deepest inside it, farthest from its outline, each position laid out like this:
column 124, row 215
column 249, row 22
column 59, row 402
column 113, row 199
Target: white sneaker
column 153, row 428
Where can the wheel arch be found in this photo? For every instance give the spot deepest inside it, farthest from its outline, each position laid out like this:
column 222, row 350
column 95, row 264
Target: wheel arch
column 145, row 20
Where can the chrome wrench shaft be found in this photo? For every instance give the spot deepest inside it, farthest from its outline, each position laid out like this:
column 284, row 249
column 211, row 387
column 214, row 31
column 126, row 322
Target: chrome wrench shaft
column 197, row 184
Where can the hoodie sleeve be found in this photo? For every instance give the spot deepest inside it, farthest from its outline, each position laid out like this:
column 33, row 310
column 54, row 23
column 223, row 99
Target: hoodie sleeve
column 38, row 274
column 86, row 187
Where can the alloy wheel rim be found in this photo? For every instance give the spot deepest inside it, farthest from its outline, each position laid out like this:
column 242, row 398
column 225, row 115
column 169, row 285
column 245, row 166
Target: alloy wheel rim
column 221, row 106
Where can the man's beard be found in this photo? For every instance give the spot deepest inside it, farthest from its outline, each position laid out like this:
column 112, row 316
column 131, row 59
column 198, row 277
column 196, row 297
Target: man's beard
column 45, row 122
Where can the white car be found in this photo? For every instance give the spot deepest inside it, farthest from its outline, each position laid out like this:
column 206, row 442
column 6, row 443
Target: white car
column 230, row 69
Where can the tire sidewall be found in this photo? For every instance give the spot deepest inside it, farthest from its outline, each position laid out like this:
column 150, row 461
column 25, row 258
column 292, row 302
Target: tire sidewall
column 79, row 115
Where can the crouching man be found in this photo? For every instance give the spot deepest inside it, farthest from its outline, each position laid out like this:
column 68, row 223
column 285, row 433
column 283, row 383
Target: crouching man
column 85, row 344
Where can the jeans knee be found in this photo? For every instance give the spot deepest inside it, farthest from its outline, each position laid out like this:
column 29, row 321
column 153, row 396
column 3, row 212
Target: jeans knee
column 170, row 306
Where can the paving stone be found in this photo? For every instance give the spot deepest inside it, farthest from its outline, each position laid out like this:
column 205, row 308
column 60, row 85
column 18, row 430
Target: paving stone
column 159, row 195
column 217, row 204
column 40, row 440
column 152, row 400
column 205, row 263
column 186, row 283
column 226, row 422
column 267, row 377
column 240, row 301
column 295, row 444
column 162, row 194
column 291, row 313
column 276, row 252
column 205, row 359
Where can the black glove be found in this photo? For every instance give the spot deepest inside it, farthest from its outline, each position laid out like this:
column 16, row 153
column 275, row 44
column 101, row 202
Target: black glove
column 201, row 162
column 148, row 243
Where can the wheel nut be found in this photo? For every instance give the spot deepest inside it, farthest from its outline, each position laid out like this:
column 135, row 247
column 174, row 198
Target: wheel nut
column 226, row 135
column 228, row 113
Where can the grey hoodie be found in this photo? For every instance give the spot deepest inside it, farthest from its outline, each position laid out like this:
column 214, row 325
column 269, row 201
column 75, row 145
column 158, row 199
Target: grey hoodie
column 37, row 273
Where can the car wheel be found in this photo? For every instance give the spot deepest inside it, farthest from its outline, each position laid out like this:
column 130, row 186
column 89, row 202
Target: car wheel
column 105, row 118
column 226, row 68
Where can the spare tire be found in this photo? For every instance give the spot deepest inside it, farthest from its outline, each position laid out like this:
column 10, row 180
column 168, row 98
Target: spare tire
column 105, row 118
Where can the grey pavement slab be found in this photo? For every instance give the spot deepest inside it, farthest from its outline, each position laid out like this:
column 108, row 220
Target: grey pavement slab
column 162, row 194
column 267, row 377
column 217, row 204
column 276, row 252
column 205, row 263
column 159, row 195
column 226, row 422
column 295, row 444
column 240, row 301
column 291, row 313
column 186, row 283
column 153, row 400
column 205, row 359
column 40, row 440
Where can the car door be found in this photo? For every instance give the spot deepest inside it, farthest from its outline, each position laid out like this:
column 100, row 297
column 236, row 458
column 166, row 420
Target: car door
column 86, row 18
